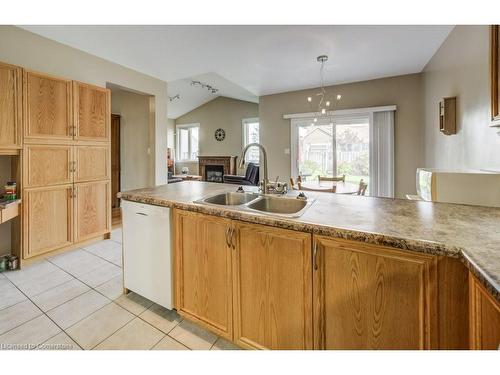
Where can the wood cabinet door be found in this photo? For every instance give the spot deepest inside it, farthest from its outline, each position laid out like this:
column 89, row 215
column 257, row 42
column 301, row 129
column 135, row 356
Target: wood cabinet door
column 92, row 113
column 47, row 165
column 48, row 219
column 92, row 209
column 372, row 297
column 10, row 106
column 203, row 291
column 272, row 288
column 92, row 163
column 48, row 112
column 484, row 315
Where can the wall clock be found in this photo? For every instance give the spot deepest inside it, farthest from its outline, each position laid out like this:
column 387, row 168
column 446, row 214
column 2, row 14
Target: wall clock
column 220, row 134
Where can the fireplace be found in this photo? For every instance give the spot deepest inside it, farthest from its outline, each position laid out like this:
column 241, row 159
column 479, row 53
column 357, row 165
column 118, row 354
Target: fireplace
column 214, row 173
column 213, row 168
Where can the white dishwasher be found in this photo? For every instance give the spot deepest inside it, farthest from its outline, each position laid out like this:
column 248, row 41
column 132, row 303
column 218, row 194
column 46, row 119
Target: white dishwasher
column 147, row 251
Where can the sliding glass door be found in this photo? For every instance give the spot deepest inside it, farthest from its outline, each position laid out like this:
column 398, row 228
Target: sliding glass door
column 332, row 147
column 352, row 150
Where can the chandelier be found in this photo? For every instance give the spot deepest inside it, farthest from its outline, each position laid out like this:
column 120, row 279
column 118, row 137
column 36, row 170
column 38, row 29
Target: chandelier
column 324, row 105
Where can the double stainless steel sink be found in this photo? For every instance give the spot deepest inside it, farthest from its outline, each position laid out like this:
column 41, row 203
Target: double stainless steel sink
column 277, row 206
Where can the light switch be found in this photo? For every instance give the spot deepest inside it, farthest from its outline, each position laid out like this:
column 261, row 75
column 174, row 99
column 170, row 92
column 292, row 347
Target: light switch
column 287, row 151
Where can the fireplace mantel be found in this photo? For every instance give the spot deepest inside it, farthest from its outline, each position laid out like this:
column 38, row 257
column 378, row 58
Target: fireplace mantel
column 228, row 162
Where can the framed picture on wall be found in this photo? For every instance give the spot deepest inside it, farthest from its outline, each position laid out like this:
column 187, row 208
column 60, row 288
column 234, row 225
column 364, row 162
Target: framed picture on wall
column 494, row 74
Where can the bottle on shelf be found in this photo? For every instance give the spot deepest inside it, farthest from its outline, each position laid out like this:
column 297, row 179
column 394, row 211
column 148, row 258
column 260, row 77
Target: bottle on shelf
column 10, row 191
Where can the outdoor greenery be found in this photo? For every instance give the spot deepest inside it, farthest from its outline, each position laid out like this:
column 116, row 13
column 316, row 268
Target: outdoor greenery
column 348, row 147
column 359, row 166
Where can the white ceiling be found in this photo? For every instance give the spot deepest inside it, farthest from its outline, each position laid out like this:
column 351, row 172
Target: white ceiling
column 246, row 62
column 194, row 96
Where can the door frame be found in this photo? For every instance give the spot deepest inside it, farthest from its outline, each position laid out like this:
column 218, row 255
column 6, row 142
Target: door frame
column 118, row 151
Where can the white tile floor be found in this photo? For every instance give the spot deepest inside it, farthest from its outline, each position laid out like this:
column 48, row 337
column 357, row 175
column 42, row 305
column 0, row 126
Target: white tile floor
column 75, row 301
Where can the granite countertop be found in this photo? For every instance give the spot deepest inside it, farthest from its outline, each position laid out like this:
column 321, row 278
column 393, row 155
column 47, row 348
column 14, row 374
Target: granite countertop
column 470, row 233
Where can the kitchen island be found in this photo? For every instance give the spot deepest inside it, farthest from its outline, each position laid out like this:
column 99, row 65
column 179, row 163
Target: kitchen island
column 411, row 256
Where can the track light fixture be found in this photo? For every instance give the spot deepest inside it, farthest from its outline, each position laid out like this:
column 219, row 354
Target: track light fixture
column 211, row 89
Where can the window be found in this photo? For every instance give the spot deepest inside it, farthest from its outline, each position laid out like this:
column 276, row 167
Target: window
column 358, row 145
column 251, row 135
column 187, row 142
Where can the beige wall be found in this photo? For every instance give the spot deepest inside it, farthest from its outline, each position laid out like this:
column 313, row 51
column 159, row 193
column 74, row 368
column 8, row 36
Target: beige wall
column 171, row 133
column 460, row 68
column 222, row 112
column 34, row 52
column 403, row 91
column 134, row 138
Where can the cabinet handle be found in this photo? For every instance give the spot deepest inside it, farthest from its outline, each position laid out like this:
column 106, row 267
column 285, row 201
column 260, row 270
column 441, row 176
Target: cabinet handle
column 72, row 166
column 315, row 255
column 72, row 131
column 75, row 191
column 233, row 240
column 227, row 236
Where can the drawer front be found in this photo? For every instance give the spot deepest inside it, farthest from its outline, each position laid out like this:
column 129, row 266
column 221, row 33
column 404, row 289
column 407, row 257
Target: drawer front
column 92, row 163
column 47, row 165
column 9, row 213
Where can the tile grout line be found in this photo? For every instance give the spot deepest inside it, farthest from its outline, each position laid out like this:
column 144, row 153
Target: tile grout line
column 156, row 343
column 49, row 273
column 27, row 321
column 135, row 316
column 76, row 277
column 48, row 317
column 55, row 307
column 121, row 245
column 6, row 307
column 107, row 337
column 83, row 282
column 111, row 301
column 42, row 314
column 91, row 288
column 165, row 334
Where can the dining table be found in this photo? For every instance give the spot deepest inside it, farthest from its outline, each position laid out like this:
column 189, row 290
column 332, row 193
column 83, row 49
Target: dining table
column 341, row 186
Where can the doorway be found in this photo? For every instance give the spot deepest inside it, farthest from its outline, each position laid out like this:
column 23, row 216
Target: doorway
column 115, row 170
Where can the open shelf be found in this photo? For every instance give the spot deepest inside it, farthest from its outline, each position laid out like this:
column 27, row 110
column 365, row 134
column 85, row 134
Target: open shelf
column 11, row 212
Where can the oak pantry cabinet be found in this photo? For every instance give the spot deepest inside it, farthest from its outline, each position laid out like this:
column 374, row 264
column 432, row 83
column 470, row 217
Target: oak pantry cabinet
column 66, row 162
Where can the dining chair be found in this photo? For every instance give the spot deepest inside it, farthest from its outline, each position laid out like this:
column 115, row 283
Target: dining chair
column 293, row 186
column 333, row 189
column 362, row 187
column 336, row 178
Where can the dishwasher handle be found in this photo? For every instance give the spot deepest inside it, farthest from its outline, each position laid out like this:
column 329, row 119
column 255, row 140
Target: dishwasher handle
column 142, row 213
